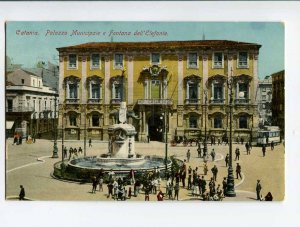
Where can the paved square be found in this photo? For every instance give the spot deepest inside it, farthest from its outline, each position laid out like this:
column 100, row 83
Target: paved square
column 31, row 165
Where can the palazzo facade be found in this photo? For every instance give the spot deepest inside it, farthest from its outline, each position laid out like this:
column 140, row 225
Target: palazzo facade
column 163, row 84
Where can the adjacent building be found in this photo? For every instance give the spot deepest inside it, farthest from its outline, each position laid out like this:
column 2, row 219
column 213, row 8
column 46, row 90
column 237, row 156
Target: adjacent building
column 163, row 84
column 278, row 100
column 31, row 102
column 264, row 101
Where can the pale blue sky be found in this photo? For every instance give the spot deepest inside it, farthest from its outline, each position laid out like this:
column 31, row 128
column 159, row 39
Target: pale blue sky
column 28, row 49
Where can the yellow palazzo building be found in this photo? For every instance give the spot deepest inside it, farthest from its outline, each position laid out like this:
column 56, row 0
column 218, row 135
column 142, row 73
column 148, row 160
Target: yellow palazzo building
column 163, row 84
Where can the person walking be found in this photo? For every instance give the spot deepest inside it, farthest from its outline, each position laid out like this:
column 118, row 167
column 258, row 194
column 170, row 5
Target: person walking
column 188, row 155
column 80, row 150
column 110, row 189
column 176, row 189
column 272, row 145
column 238, row 171
column 227, row 159
column 258, row 189
column 264, row 150
column 147, row 191
column 189, row 178
column 247, row 148
column 205, row 168
column 214, row 171
column 199, row 150
column 22, row 193
column 94, row 183
column 237, row 154
column 70, row 152
column 203, row 185
column 224, row 183
column 65, row 152
column 90, row 142
column 213, row 154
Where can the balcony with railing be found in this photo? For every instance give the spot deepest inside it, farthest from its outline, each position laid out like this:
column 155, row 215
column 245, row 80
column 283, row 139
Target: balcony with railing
column 217, row 101
column 116, row 101
column 192, row 101
column 155, row 102
column 94, row 101
column 20, row 109
column 242, row 101
column 72, row 101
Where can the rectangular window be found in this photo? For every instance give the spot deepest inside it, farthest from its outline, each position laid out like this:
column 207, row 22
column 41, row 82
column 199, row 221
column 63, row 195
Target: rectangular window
column 9, row 105
column 72, row 61
column 192, row 60
column 218, row 92
column 155, row 58
column 73, row 120
column 118, row 91
column 73, row 91
column 155, row 89
column 264, row 97
column 243, row 87
column 218, row 60
column 217, row 122
column 95, row 91
column 193, row 92
column 263, row 89
column 243, row 122
column 95, row 61
column 118, row 61
column 243, row 59
column 95, row 120
column 193, row 121
column 23, row 81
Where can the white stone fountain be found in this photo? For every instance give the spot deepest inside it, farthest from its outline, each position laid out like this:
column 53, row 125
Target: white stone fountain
column 121, row 156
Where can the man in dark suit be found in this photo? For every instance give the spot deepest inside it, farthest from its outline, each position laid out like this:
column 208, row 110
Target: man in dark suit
column 22, row 193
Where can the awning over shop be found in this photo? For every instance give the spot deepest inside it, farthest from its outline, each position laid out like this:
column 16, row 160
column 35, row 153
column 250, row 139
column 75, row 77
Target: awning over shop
column 9, row 124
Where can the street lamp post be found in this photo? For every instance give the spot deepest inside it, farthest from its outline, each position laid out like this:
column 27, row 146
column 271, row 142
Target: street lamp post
column 84, row 140
column 205, row 136
column 230, row 179
column 166, row 142
column 55, row 150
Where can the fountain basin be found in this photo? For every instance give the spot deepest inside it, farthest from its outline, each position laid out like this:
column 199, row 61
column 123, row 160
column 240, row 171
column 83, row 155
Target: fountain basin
column 83, row 169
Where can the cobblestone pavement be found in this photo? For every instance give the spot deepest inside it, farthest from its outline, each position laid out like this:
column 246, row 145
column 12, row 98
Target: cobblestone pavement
column 31, row 165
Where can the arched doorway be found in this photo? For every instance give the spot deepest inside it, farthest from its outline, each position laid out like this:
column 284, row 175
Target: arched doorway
column 155, row 127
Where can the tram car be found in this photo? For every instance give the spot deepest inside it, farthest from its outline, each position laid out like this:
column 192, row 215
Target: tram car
column 268, row 134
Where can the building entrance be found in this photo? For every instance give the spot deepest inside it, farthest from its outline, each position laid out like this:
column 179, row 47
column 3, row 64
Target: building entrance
column 155, row 127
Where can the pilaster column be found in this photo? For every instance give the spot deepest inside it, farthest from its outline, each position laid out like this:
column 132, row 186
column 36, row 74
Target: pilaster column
column 255, row 77
column 180, row 79
column 61, row 89
column 106, row 80
column 205, row 74
column 130, row 80
column 83, row 79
